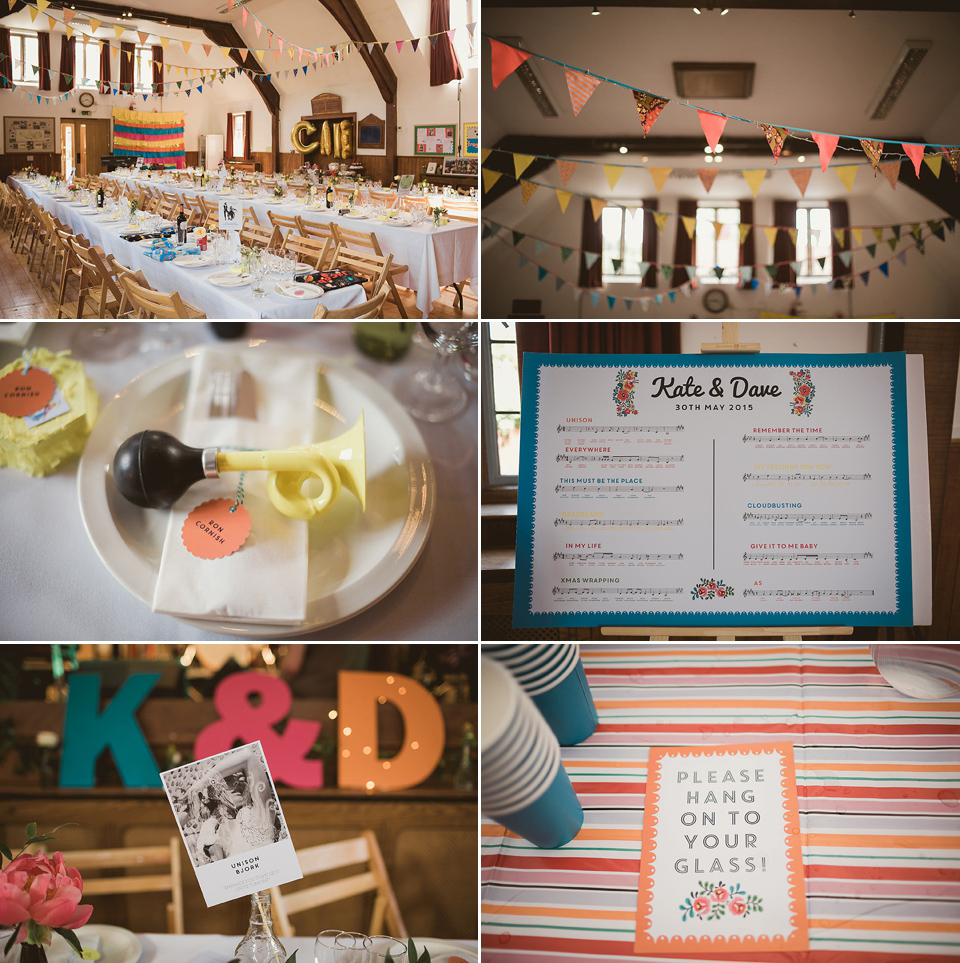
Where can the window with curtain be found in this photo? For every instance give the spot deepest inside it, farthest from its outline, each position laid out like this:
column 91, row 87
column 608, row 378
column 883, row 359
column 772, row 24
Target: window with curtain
column 444, row 65
column 143, row 69
column 68, row 61
column 24, row 53
column 237, row 145
column 127, row 51
column 105, row 69
column 43, row 60
column 622, row 229
column 813, row 243
column 500, row 409
column 467, row 48
column 156, row 53
column 717, row 238
column 88, row 62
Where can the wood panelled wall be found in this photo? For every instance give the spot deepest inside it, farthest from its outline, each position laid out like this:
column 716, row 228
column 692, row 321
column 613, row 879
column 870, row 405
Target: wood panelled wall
column 45, row 163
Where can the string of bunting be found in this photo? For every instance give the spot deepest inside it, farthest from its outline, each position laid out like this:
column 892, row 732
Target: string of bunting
column 581, row 83
column 692, row 283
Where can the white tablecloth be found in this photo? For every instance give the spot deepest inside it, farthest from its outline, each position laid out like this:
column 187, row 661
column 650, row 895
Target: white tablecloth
column 190, row 283
column 435, row 256
column 54, row 587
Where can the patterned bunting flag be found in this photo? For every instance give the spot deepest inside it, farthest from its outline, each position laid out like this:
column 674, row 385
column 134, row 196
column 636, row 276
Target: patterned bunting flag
column 660, row 218
column 564, row 198
column 566, row 169
column 754, row 179
column 504, row 60
column 707, row 178
column 801, row 177
column 521, row 162
column 527, row 190
column 771, row 235
column 847, row 174
column 891, row 171
column 597, row 205
column 873, row 149
column 712, row 125
column 659, row 175
column 613, row 174
column 827, row 144
column 690, row 223
column 775, row 137
column 934, row 162
column 648, row 107
column 580, row 86
column 953, row 158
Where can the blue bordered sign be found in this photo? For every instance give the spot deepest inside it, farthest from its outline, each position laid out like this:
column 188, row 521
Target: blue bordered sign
column 714, row 490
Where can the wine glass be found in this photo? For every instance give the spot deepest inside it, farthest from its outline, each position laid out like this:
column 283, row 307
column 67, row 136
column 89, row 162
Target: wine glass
column 382, row 949
column 105, row 342
column 433, row 394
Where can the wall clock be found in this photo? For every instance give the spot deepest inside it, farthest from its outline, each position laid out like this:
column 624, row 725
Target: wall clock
column 716, row 300
column 86, row 99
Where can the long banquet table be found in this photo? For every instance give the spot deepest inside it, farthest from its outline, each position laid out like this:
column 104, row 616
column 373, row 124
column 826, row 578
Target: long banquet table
column 435, row 256
column 877, row 785
column 192, row 284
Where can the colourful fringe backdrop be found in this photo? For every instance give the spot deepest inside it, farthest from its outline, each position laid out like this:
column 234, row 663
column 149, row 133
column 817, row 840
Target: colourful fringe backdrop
column 157, row 138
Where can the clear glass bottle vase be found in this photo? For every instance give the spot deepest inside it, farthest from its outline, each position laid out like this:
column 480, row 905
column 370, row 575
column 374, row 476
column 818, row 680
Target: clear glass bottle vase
column 260, row 945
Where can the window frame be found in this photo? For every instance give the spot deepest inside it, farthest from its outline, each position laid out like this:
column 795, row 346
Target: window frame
column 466, row 47
column 143, row 62
column 637, row 208
column 827, row 276
column 93, row 80
column 25, row 64
column 494, row 479
column 707, row 274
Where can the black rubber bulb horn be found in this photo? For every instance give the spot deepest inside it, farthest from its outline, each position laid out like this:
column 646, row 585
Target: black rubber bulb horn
column 153, row 469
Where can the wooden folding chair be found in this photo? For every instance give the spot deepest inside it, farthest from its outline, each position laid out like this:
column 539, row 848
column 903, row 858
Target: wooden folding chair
column 315, row 229
column 340, row 855
column 194, row 207
column 361, row 242
column 257, row 236
column 411, row 201
column 310, row 250
column 97, row 282
column 371, row 308
column 71, row 269
column 157, row 304
column 166, row 880
column 389, row 198
column 120, row 271
column 284, row 222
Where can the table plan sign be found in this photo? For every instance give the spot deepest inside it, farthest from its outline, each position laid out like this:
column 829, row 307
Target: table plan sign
column 688, row 490
column 721, row 868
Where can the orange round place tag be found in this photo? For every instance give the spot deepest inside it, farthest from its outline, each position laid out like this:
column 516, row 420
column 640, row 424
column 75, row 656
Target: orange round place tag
column 211, row 530
column 23, row 394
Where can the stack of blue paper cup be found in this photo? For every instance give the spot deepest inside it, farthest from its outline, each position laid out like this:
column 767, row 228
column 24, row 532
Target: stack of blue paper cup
column 524, row 786
column 552, row 675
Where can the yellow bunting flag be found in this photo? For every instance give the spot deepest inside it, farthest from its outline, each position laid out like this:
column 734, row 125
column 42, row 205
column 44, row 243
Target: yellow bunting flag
column 528, row 189
column 934, row 162
column 129, row 56
column 51, row 21
column 225, row 53
column 485, row 152
column 659, row 175
column 42, row 5
column 690, row 223
column 69, row 30
column 164, row 41
column 598, row 205
column 94, row 25
column 186, row 44
column 521, row 162
column 661, row 220
column 744, row 231
column 489, row 177
column 857, row 233
column 10, row 3
column 33, row 13
column 717, row 228
column 613, row 174
column 118, row 29
column 847, row 174
column 260, row 54
column 792, row 231
column 564, row 198
column 754, row 179
column 838, row 234
column 771, row 234
column 878, row 234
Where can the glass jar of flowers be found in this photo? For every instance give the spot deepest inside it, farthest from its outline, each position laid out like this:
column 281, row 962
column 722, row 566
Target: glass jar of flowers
column 439, row 216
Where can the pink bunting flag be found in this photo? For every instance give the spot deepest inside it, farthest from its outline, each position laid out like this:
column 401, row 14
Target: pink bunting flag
column 953, row 157
column 566, row 169
column 801, row 177
column 873, row 149
column 712, row 125
column 707, row 177
column 504, row 60
column 891, row 171
column 648, row 107
column 915, row 153
column 775, row 136
column 827, row 144
column 245, row 15
column 259, row 25
column 581, row 86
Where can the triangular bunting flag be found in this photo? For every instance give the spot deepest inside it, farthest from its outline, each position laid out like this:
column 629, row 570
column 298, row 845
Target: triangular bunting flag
column 754, row 179
column 934, row 162
column 865, row 278
column 224, row 51
column 590, row 258
column 775, row 136
column 69, row 31
column 712, row 125
column 822, row 261
column 642, row 268
column 872, row 250
column 915, row 231
column 915, row 153
column 648, row 107
column 399, row 45
column 541, row 273
column 521, row 162
column 885, row 269
column 896, row 231
column 527, row 190
column 486, row 231
column 560, row 283
column 691, row 270
column 489, row 179
column 597, row 205
column 771, row 235
column 827, row 144
column 580, row 86
column 186, row 44
column 611, row 300
column 801, row 177
column 659, row 175
column 857, row 233
column 564, row 198
column 629, row 303
column 902, row 258
column 838, row 234
column 936, row 229
column 257, row 26
column 504, row 60
column 847, row 174
column 878, row 234
column 718, row 271
column 873, row 149
column 892, row 241
column 613, row 174
column 797, row 266
column 792, row 231
column 260, row 54
column 565, row 253
column 51, row 21
column 660, row 218
column 594, row 297
column 68, row 15
column 522, row 262
column 207, row 47
column 485, row 152
column 119, row 29
column 744, row 231
column 566, row 169
column 415, row 43
column 616, row 264
column 518, row 236
column 33, row 16
column 717, row 228
column 952, row 155
column 143, row 36
column 771, row 270
column 42, row 5
column 846, row 257
column 707, row 178
column 746, row 272
column 94, row 25
column 690, row 223
column 667, row 270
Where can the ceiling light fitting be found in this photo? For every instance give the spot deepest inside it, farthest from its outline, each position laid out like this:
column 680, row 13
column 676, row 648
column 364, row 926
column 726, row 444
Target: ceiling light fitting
column 531, row 82
column 907, row 61
column 595, row 12
column 851, row 15
column 623, row 150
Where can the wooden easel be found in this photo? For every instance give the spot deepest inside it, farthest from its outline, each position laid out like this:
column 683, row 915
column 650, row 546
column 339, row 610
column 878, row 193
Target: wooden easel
column 729, row 344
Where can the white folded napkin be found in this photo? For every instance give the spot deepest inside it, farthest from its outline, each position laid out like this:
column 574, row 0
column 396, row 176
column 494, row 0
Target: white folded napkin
column 265, row 580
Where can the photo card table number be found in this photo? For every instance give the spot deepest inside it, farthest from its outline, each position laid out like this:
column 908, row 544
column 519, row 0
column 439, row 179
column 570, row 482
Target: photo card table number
column 721, row 869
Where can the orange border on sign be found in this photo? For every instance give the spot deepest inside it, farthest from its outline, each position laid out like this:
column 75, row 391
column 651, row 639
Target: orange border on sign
column 797, row 938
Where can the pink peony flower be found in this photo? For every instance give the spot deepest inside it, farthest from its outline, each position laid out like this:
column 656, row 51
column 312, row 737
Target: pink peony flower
column 702, row 590
column 721, row 593
column 712, row 586
column 737, row 906
column 701, row 905
column 43, row 889
column 719, row 894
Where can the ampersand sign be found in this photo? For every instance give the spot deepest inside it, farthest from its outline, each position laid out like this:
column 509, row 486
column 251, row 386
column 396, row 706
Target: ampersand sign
column 241, row 719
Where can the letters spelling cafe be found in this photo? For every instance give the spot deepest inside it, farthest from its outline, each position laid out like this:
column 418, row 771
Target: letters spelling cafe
column 200, row 792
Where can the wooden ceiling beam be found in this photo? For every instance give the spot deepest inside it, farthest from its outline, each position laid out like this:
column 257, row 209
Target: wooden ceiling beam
column 841, row 6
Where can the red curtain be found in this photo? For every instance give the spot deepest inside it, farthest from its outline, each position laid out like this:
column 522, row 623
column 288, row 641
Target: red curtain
column 228, row 140
column 591, row 241
column 157, row 52
column 127, row 52
column 784, row 247
column 651, row 239
column 43, row 59
column 748, row 250
column 68, row 62
column 683, row 249
column 246, row 135
column 6, row 61
column 839, row 217
column 105, row 69
column 444, row 65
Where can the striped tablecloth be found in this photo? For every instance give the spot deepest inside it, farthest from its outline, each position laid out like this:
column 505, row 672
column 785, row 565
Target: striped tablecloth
column 878, row 782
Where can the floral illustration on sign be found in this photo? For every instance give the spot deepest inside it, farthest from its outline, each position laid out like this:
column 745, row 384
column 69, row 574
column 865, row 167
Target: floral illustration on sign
column 709, row 588
column 623, row 392
column 803, row 392
column 713, row 900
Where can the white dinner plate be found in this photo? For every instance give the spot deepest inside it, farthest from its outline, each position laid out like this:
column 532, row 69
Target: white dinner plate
column 357, row 215
column 116, row 945
column 443, row 952
column 193, row 260
column 91, row 212
column 354, row 559
column 300, row 292
column 226, row 279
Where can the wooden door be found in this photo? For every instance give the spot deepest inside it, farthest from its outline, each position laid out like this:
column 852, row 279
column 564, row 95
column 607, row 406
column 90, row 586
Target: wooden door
column 96, row 142
column 68, row 147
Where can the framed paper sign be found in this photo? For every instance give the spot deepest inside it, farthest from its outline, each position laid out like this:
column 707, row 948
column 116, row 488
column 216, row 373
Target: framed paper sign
column 471, row 140
column 720, row 490
column 441, row 141
column 721, row 869
column 22, row 135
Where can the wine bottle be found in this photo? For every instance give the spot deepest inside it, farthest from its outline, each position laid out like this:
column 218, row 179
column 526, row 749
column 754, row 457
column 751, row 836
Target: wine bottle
column 181, row 226
column 329, row 196
column 100, row 196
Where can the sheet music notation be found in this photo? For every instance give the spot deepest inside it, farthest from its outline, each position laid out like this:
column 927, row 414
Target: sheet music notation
column 799, row 476
column 619, row 488
column 801, row 556
column 620, row 556
column 613, row 522
column 816, row 593
column 621, row 429
column 641, row 459
column 803, row 517
column 642, row 592
column 840, row 439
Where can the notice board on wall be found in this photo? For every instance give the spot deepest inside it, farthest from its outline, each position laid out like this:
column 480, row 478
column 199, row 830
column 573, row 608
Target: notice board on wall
column 723, row 490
